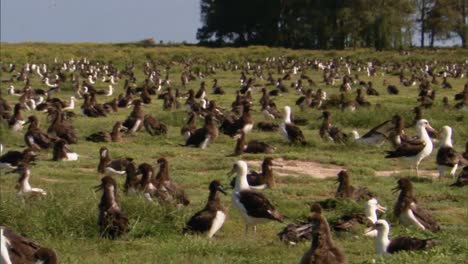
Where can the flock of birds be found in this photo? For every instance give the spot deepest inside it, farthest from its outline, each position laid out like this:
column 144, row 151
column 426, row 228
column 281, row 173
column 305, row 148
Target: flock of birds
column 84, row 75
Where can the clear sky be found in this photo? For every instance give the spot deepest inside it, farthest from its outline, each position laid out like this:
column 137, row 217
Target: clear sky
column 99, row 20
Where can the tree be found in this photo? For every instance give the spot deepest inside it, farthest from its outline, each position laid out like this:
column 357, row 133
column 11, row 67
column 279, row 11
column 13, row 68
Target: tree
column 460, row 8
column 320, row 24
column 423, row 8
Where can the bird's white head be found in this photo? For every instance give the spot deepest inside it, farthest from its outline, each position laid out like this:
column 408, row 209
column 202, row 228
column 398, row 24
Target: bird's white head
column 446, row 136
column 240, row 168
column 422, row 125
column 382, row 226
column 372, row 206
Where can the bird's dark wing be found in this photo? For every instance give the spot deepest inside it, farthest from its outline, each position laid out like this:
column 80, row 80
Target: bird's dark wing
column 384, row 129
column 407, row 149
column 21, row 249
column 409, row 243
column 294, row 133
column 425, row 218
column 11, row 156
column 197, row 137
column 257, row 205
column 447, row 156
column 201, row 221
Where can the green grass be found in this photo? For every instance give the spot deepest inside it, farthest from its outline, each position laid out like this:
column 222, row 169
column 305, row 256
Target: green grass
column 67, row 218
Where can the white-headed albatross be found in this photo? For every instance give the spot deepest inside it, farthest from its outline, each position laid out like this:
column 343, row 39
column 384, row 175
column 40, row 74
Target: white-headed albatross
column 446, row 155
column 384, row 245
column 415, row 150
column 253, row 206
column 292, row 132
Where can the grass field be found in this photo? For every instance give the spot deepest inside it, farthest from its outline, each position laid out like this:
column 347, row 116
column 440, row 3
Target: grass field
column 66, row 219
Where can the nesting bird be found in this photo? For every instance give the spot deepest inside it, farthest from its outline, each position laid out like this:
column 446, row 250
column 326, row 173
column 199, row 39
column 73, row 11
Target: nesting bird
column 252, row 146
column 211, row 218
column 110, row 166
column 103, row 136
column 62, row 152
column 253, row 206
column 384, row 245
column 153, row 126
column 408, row 211
column 346, row 190
column 349, row 221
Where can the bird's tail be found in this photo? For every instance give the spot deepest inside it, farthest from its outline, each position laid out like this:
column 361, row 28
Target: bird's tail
column 277, row 216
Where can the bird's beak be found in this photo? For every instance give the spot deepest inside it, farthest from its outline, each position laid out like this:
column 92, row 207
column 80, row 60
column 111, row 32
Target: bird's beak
column 221, row 189
column 123, row 129
column 432, row 130
column 396, row 189
column 381, row 208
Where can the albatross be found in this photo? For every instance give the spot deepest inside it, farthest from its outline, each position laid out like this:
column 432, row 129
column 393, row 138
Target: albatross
column 253, row 206
column 415, row 150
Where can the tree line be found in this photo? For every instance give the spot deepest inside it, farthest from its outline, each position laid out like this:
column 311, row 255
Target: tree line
column 332, row 24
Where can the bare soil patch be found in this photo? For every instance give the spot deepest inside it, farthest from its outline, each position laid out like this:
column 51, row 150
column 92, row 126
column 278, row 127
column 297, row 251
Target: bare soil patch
column 297, row 168
column 422, row 173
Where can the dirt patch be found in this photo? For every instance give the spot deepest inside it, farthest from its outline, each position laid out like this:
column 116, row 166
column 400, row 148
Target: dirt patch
column 297, row 168
column 422, row 173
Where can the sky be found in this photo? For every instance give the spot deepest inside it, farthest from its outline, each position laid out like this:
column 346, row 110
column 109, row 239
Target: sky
column 106, row 21
column 99, row 20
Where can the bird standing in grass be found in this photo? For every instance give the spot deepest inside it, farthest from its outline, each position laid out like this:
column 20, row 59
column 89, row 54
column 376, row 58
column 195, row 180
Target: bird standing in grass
column 253, row 206
column 322, row 248
column 212, row 217
column 446, row 155
column 417, row 149
column 289, row 130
